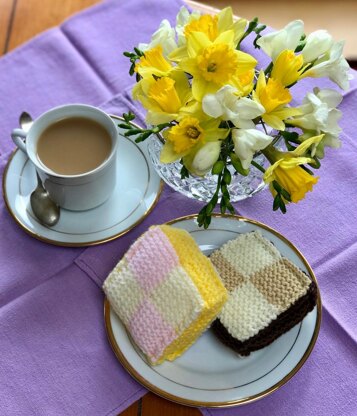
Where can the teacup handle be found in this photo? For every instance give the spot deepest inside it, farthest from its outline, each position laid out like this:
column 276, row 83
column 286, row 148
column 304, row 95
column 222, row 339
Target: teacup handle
column 18, row 137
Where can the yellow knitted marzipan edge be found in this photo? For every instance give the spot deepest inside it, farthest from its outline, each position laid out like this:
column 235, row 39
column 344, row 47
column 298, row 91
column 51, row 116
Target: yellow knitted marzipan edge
column 208, row 283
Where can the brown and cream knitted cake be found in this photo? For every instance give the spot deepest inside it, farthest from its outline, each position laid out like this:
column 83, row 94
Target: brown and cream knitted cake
column 268, row 295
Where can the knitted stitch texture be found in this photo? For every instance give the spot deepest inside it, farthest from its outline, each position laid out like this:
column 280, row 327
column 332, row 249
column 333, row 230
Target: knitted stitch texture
column 263, row 289
column 165, row 291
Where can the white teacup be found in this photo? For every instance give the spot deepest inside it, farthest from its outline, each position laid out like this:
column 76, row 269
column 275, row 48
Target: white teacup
column 74, row 192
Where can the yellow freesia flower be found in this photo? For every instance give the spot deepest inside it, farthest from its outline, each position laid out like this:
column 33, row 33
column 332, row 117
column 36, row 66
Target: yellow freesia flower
column 273, row 96
column 153, row 63
column 214, row 64
column 163, row 97
column 288, row 67
column 287, row 172
column 189, row 135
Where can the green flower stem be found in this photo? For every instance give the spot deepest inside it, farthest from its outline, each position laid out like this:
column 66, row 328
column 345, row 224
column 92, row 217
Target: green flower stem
column 270, row 153
column 256, row 165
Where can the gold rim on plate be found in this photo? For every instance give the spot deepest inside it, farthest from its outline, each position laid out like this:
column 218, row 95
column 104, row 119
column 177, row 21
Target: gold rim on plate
column 232, row 403
column 68, row 244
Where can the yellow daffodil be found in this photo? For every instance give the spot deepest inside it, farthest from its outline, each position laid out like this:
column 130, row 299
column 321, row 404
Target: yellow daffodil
column 244, row 83
column 214, row 64
column 189, row 135
column 206, row 24
column 163, row 97
column 288, row 67
column 287, row 172
column 153, row 63
column 293, row 179
column 273, row 96
column 213, row 26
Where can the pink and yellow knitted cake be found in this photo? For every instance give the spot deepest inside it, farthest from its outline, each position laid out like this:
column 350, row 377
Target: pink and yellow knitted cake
column 165, row 291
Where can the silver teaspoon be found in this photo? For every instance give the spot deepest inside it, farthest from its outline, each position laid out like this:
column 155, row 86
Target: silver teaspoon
column 45, row 210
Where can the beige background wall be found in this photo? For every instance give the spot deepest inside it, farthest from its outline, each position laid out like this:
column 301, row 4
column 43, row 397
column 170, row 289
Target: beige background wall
column 339, row 17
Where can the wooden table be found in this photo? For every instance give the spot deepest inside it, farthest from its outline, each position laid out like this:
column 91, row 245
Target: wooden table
column 16, row 28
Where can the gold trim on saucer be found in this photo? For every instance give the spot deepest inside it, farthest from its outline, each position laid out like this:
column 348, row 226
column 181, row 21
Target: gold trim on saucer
column 232, row 403
column 69, row 244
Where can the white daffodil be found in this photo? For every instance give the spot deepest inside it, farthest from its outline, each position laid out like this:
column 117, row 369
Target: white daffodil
column 287, row 38
column 332, row 65
column 247, row 142
column 164, row 36
column 182, row 19
column 202, row 161
column 319, row 112
column 317, row 43
column 227, row 104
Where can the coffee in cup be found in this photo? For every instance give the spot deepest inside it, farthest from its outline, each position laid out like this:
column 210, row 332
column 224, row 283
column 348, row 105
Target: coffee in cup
column 73, row 146
column 74, row 151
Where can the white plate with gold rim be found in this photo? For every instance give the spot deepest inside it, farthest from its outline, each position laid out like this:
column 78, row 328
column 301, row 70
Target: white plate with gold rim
column 136, row 193
column 210, row 374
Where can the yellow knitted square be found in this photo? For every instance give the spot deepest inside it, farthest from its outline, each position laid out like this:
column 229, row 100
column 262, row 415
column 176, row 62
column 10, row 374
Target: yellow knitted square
column 208, row 283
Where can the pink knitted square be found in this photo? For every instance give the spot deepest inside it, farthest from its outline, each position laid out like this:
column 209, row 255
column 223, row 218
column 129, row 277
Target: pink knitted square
column 151, row 258
column 150, row 331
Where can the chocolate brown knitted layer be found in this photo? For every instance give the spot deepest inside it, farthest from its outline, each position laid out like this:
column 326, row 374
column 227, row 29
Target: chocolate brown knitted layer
column 283, row 323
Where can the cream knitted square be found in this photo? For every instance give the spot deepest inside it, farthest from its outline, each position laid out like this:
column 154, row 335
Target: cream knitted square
column 261, row 283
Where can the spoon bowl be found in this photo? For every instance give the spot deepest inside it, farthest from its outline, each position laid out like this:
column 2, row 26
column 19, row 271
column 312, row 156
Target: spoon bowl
column 45, row 210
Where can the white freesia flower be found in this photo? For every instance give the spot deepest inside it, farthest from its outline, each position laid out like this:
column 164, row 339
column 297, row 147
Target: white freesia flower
column 332, row 65
column 319, row 115
column 247, row 142
column 227, row 104
column 319, row 112
column 164, row 36
column 205, row 158
column 287, row 38
column 317, row 43
column 182, row 19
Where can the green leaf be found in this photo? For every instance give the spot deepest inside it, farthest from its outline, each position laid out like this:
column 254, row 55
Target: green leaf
column 143, row 137
column 289, row 146
column 218, row 167
column 131, row 70
column 277, row 187
column 282, row 206
column 214, row 199
column 276, row 203
column 285, row 194
column 125, row 126
column 231, row 208
column 316, row 164
column 223, row 206
column 292, row 136
column 184, row 172
column 227, row 177
column 307, row 170
column 132, row 132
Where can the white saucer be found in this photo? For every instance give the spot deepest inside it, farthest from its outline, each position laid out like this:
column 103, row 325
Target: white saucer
column 137, row 191
column 210, row 374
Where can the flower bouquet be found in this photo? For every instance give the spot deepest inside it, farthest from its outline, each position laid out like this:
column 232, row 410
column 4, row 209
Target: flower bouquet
column 214, row 110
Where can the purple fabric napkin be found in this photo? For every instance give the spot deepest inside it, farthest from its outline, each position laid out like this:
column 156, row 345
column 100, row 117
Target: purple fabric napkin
column 55, row 357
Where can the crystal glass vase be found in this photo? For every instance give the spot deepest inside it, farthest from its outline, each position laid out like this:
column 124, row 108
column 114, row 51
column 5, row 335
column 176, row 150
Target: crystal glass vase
column 203, row 188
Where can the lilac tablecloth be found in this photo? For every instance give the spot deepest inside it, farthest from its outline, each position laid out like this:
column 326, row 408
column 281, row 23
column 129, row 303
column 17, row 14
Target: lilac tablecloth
column 54, row 354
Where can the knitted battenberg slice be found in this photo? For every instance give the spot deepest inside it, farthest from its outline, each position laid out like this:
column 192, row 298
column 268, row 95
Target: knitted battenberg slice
column 165, row 291
column 268, row 295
